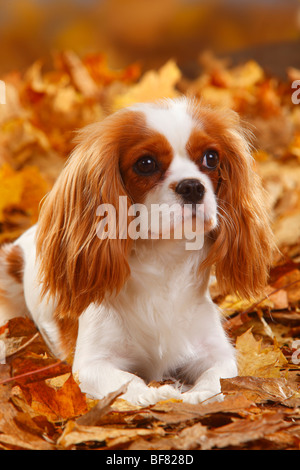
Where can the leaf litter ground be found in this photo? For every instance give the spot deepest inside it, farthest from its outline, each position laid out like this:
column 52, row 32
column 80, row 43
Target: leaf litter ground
column 41, row 405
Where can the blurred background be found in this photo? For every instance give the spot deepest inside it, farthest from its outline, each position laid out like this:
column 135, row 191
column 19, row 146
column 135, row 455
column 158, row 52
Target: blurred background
column 67, row 63
column 151, row 31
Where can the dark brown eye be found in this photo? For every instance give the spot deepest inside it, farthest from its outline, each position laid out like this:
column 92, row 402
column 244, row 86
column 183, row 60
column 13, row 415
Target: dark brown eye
column 146, row 166
column 210, row 159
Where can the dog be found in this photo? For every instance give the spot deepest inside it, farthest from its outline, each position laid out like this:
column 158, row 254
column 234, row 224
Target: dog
column 135, row 309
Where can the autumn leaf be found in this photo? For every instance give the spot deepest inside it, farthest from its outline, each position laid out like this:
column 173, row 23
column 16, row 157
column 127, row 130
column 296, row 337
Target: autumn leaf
column 153, row 86
column 263, row 390
column 233, row 434
column 56, row 404
column 11, row 188
column 41, row 405
column 254, row 359
column 77, row 434
column 97, row 65
column 21, row 190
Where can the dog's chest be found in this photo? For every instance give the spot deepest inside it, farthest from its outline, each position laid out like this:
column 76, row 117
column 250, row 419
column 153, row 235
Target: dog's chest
column 159, row 306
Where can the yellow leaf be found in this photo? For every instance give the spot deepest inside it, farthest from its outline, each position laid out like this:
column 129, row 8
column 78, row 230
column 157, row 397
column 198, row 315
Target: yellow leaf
column 217, row 96
column 11, row 188
column 57, row 382
column 246, row 75
column 257, row 361
column 232, row 303
column 153, row 86
column 22, row 189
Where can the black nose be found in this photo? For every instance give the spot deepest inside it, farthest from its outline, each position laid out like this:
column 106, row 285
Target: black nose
column 191, row 190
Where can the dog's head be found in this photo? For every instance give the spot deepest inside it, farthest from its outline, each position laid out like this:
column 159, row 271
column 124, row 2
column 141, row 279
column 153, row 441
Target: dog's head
column 173, row 154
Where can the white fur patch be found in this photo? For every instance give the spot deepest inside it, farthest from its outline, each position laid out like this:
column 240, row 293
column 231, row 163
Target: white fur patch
column 172, row 120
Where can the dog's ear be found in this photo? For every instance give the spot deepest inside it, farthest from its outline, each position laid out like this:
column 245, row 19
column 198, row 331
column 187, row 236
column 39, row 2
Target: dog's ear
column 77, row 266
column 243, row 245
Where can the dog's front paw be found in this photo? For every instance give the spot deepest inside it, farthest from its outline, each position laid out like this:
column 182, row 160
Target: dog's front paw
column 150, row 395
column 207, row 396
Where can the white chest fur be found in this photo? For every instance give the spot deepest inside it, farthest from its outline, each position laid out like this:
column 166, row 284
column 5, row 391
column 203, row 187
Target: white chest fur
column 156, row 320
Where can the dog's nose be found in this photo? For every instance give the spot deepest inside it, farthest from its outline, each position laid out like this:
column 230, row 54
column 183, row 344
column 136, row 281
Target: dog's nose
column 191, row 190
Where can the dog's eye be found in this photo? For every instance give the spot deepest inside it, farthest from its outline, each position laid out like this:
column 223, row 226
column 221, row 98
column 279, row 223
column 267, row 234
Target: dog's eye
column 146, row 166
column 210, row 159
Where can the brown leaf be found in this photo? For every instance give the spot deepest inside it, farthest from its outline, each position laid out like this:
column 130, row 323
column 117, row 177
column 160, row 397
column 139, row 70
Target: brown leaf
column 261, row 389
column 43, row 109
column 174, row 413
column 94, row 416
column 233, row 434
column 279, row 298
column 290, row 282
column 13, row 436
column 56, row 405
column 80, row 75
column 77, row 434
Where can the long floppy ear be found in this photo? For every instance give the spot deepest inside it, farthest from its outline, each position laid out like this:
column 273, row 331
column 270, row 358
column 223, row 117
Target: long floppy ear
column 243, row 246
column 76, row 266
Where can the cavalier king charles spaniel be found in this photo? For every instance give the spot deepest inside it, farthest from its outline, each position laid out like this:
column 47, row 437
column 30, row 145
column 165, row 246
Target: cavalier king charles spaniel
column 135, row 309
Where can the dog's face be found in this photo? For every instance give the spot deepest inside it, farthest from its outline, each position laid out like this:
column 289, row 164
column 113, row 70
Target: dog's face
column 171, row 155
column 173, row 167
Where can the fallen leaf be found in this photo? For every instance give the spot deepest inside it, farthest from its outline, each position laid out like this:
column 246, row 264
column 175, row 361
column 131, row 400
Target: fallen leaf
column 56, row 405
column 152, row 86
column 287, row 230
column 80, row 75
column 174, row 413
column 290, row 282
column 279, row 298
column 233, row 434
column 97, row 65
column 261, row 389
column 57, row 382
column 11, row 188
column 254, row 359
column 95, row 414
column 44, row 107
column 13, row 436
column 106, row 437
column 22, row 190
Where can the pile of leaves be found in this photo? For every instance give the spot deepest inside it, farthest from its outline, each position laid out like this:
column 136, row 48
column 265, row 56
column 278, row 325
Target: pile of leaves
column 41, row 405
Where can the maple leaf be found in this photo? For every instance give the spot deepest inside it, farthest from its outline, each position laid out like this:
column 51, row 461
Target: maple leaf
column 153, row 86
column 254, row 359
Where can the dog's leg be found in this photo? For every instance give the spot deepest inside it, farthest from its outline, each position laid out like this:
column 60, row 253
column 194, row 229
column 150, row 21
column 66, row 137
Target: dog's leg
column 102, row 364
column 217, row 359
